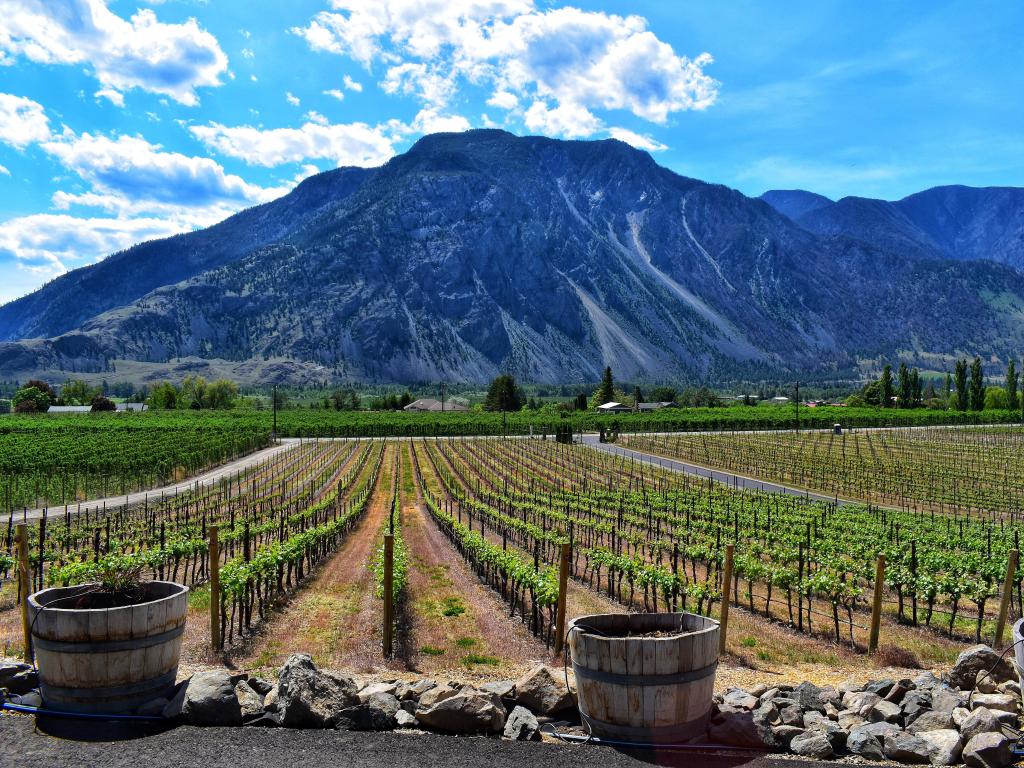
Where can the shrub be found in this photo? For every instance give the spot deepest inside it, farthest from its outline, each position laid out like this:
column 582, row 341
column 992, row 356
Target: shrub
column 101, row 403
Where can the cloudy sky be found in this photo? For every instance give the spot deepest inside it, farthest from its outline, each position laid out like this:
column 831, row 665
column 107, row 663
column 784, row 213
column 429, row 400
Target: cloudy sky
column 124, row 120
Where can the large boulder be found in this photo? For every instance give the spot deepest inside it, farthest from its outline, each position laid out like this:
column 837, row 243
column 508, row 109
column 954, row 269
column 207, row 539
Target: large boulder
column 810, row 696
column 885, row 711
column 989, row 750
column 207, row 698
column 980, row 720
column 1002, row 702
column 738, row 699
column 814, row 744
column 746, row 729
column 522, row 725
column 865, row 744
column 308, row 697
column 438, row 693
column 945, row 746
column 18, row 678
column 946, row 699
column 377, row 712
column 905, row 747
column 468, row 711
column 979, row 658
column 931, row 721
column 914, row 704
column 249, row 701
column 542, row 692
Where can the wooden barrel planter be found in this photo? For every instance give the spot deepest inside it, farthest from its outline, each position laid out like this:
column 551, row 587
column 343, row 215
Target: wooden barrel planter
column 106, row 660
column 645, row 677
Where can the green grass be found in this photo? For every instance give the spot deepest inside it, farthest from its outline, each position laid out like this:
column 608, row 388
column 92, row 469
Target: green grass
column 749, row 642
column 465, row 642
column 452, row 606
column 471, row 659
column 432, row 650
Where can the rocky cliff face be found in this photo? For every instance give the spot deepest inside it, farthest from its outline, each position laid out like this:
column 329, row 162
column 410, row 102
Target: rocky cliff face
column 482, row 252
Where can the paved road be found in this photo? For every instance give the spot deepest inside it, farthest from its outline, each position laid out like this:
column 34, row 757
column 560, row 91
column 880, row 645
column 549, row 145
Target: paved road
column 727, row 478
column 188, row 747
column 211, row 477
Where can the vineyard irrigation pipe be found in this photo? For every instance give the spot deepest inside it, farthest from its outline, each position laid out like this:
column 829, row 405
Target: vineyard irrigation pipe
column 79, row 715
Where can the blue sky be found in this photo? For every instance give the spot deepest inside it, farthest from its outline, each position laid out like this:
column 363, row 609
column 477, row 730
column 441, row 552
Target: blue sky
column 125, row 120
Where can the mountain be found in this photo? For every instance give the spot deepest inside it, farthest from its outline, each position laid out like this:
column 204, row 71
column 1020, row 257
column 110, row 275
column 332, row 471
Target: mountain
column 955, row 222
column 483, row 252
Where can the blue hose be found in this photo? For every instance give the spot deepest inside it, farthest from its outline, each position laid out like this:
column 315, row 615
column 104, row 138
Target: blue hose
column 79, row 715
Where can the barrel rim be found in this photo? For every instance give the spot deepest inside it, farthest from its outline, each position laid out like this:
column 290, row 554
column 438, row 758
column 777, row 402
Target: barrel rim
column 177, row 590
column 710, row 626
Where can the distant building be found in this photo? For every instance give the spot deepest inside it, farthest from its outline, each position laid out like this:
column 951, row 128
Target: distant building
column 780, row 400
column 614, row 408
column 428, row 404
column 121, row 407
column 652, row 406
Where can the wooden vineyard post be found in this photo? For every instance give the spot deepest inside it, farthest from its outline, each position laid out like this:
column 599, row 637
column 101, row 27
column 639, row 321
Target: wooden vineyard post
column 726, row 586
column 563, row 586
column 24, row 589
column 1004, row 603
column 389, row 608
column 876, row 605
column 214, row 588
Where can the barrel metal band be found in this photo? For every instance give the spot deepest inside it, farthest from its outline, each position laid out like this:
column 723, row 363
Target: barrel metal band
column 664, row 734
column 615, row 678
column 161, row 683
column 108, row 646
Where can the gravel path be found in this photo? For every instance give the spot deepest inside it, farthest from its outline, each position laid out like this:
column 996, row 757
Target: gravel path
column 184, row 747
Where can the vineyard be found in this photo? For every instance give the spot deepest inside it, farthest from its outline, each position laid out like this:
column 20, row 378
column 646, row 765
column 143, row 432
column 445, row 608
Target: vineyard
column 478, row 529
column 947, row 470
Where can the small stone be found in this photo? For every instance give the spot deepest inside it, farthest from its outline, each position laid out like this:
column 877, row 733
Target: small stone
column 759, row 690
column 836, row 736
column 864, row 744
column 849, row 686
column 980, row 720
column 849, row 719
column 983, row 683
column 959, row 715
column 250, row 702
column 976, row 659
column 504, row 689
column 405, row 719
column 1001, row 701
column 880, row 730
column 914, row 703
column 30, row 699
column 414, row 691
column 1011, row 687
column 271, row 700
column 946, row 699
column 768, row 695
column 791, row 716
column 831, row 711
column 905, row 747
column 945, row 746
column 18, row 678
column 988, row 750
column 737, row 698
column 266, row 720
column 376, row 713
column 388, row 688
column 885, row 710
column 860, row 700
column 931, row 721
column 439, row 693
column 153, row 707
column 813, row 718
column 898, row 691
column 744, row 729
column 786, row 733
column 522, row 725
column 261, row 686
column 812, row 744
column 926, row 681
column 881, row 687
column 809, row 696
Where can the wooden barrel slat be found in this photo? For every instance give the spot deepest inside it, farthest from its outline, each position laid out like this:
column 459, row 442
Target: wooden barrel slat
column 645, row 709
column 139, row 664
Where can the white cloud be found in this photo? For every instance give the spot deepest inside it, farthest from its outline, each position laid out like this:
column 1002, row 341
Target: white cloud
column 315, row 117
column 343, row 144
column 292, row 99
column 429, row 121
column 142, row 52
column 22, row 121
column 638, row 140
column 334, row 93
column 351, row 84
column 247, row 53
column 565, row 62
column 4, row 171
column 114, row 97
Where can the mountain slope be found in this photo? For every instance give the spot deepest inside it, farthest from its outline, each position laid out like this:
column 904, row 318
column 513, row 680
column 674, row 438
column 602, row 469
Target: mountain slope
column 482, row 252
column 794, row 203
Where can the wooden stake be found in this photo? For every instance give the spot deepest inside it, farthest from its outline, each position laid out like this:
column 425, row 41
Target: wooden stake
column 214, row 587
column 23, row 590
column 1004, row 604
column 563, row 585
column 389, row 608
column 726, row 599
column 876, row 605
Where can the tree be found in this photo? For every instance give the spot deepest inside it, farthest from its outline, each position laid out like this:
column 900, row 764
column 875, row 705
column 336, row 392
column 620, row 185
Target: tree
column 606, row 392
column 638, row 396
column 977, row 389
column 43, row 387
column 915, row 388
column 101, row 403
column 872, row 393
column 885, row 395
column 904, row 394
column 30, row 400
column 960, row 377
column 1012, row 381
column 995, row 399
column 221, row 394
column 164, row 396
column 949, row 387
column 404, row 400
column 663, row 395
column 77, row 392
column 193, row 392
column 581, row 402
column 503, row 394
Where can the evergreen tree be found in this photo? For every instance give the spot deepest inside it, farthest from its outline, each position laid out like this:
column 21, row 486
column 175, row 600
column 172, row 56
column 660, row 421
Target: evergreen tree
column 949, row 387
column 1011, row 385
column 915, row 388
column 606, row 392
column 581, row 401
column 960, row 376
column 903, row 393
column 503, row 394
column 638, row 396
column 977, row 391
column 885, row 383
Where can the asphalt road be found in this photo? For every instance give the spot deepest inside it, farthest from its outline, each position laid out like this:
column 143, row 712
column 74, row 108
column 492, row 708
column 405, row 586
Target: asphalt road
column 187, row 747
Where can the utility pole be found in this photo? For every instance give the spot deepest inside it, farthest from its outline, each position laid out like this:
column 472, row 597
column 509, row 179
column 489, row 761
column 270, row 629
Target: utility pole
column 442, row 397
column 273, row 434
column 796, row 403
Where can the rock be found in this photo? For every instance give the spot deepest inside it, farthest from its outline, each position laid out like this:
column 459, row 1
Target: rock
column 983, row 683
column 862, row 743
column 976, row 659
column 880, row 730
column 542, row 692
column 814, row 718
column 1011, row 687
column 809, row 696
column 261, row 686
column 914, row 703
column 405, row 719
column 812, row 744
column 931, row 721
column 885, row 710
column 522, row 725
column 153, row 707
column 18, row 678
column 946, row 699
column 744, row 729
column 925, row 681
column 861, row 701
column 959, row 715
column 994, row 701
column 251, row 703
column 836, row 736
column 849, row 686
column 850, row 719
column 785, row 734
column 881, row 687
column 30, row 699
column 373, row 688
column 272, row 700
column 759, row 690
column 376, row 713
column 768, row 695
column 945, row 746
column 791, row 716
column 466, row 712
column 988, row 750
column 266, row 720
column 438, row 693
column 898, row 691
column 831, row 710
column 981, row 720
column 312, row 698
column 503, row 689
column 407, row 692
column 208, row 699
column 905, row 747
column 739, row 699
